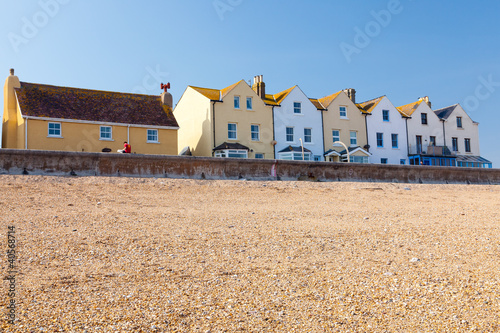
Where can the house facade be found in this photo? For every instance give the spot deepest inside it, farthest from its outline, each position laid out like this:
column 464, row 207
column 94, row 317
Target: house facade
column 461, row 135
column 232, row 122
column 45, row 117
column 343, row 122
column 386, row 129
column 297, row 125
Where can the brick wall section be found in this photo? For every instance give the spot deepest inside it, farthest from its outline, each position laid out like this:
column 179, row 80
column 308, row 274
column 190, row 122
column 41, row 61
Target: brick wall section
column 111, row 164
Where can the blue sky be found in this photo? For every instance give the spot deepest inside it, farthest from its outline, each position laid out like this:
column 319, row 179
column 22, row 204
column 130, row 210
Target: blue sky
column 447, row 50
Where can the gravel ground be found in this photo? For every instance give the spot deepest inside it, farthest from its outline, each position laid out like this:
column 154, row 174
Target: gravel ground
column 168, row 255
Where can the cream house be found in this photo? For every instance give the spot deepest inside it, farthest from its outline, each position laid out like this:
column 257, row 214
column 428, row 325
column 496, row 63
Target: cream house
column 234, row 122
column 343, row 122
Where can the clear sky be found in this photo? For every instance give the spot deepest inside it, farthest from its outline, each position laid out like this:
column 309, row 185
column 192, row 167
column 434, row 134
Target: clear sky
column 405, row 49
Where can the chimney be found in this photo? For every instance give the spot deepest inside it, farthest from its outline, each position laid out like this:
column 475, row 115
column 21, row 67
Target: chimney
column 166, row 97
column 351, row 93
column 259, row 86
column 426, row 100
column 10, row 126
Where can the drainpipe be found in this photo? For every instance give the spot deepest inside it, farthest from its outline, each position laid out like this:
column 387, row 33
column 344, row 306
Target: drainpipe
column 323, row 132
column 128, row 134
column 407, row 141
column 274, row 134
column 213, row 124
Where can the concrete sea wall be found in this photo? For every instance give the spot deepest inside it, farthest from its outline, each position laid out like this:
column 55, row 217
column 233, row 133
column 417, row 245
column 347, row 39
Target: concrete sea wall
column 131, row 165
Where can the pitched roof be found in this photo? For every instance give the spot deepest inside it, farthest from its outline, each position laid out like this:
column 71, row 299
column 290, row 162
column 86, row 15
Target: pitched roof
column 269, row 100
column 368, row 106
column 211, row 94
column 39, row 100
column 295, row 149
column 317, row 104
column 231, row 145
column 327, row 100
column 444, row 113
column 279, row 97
column 408, row 109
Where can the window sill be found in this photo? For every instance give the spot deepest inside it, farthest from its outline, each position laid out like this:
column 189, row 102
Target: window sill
column 106, row 140
column 157, row 142
column 55, row 136
column 344, row 118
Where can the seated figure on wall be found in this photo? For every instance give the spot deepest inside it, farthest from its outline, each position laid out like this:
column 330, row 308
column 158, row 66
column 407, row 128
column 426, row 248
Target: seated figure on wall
column 127, row 149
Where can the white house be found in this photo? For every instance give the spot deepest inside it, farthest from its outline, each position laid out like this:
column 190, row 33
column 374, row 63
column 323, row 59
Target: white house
column 297, row 124
column 386, row 129
column 461, row 134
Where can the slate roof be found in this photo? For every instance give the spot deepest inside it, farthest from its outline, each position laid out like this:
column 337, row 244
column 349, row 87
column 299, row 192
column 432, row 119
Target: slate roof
column 39, row 100
column 444, row 113
column 368, row 106
column 231, row 145
column 408, row 109
column 297, row 149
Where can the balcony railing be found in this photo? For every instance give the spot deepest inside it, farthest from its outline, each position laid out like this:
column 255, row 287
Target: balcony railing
column 431, row 150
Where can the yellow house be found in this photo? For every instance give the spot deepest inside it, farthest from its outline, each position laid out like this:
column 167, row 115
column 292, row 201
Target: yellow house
column 236, row 121
column 343, row 124
column 44, row 117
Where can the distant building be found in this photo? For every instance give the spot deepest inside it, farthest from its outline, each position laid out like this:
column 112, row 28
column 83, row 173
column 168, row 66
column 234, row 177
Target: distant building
column 461, row 135
column 44, row 117
column 386, row 128
column 297, row 125
column 343, row 121
column 233, row 122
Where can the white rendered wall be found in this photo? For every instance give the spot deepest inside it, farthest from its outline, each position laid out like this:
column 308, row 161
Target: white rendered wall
column 434, row 127
column 396, row 125
column 309, row 118
column 469, row 130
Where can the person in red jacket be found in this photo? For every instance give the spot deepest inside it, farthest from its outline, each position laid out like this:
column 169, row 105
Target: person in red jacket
column 127, row 149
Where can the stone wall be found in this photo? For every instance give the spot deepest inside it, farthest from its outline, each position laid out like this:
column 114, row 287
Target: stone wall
column 132, row 165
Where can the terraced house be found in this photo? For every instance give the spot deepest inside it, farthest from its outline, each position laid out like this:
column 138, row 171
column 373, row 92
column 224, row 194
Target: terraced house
column 232, row 122
column 344, row 125
column 45, row 117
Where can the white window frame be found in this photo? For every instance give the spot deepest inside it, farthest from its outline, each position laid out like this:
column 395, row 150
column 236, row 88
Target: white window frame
column 237, row 102
column 226, row 152
column 297, row 106
column 355, row 138
column 249, row 103
column 344, row 116
column 148, row 135
column 358, row 159
column 110, row 133
column 334, row 136
column 231, row 131
column 54, row 135
column 259, row 155
column 306, row 136
column 295, row 156
column 253, row 132
column 286, row 134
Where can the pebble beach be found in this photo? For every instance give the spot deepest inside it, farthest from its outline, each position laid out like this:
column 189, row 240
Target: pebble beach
column 98, row 254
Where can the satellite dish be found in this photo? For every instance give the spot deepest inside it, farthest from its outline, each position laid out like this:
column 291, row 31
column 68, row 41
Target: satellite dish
column 185, row 151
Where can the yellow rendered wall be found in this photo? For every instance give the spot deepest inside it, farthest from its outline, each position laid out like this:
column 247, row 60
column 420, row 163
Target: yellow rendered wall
column 85, row 137
column 193, row 113
column 332, row 121
column 9, row 123
column 260, row 115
